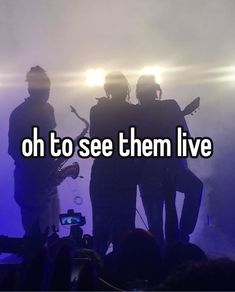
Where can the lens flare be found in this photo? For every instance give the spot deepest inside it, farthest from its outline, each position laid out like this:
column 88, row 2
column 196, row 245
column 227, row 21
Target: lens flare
column 153, row 70
column 95, row 77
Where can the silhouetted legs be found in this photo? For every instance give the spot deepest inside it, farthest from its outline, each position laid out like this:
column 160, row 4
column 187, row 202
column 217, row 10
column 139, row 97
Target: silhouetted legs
column 171, row 218
column 46, row 214
column 37, row 204
column 152, row 196
column 113, row 211
column 189, row 184
column 155, row 194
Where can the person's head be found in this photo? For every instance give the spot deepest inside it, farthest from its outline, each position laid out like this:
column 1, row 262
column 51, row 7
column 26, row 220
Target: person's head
column 147, row 89
column 139, row 257
column 38, row 83
column 182, row 253
column 211, row 275
column 116, row 86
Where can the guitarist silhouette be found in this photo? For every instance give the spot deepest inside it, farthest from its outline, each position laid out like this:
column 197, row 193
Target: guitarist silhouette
column 161, row 178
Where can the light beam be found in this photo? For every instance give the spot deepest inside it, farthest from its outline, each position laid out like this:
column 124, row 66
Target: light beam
column 95, row 77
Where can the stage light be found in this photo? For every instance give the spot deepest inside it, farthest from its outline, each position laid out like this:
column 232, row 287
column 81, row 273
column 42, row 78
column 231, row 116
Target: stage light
column 153, row 70
column 95, row 77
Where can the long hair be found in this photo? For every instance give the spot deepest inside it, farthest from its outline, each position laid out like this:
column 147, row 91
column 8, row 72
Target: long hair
column 115, row 80
column 145, row 84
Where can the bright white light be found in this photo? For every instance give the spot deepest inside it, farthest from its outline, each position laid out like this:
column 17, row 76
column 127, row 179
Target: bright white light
column 156, row 71
column 95, row 77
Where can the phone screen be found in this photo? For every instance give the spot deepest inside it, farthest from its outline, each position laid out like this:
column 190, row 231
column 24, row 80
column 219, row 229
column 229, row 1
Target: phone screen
column 77, row 219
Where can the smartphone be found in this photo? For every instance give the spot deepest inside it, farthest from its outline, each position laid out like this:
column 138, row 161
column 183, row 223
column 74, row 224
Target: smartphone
column 72, row 219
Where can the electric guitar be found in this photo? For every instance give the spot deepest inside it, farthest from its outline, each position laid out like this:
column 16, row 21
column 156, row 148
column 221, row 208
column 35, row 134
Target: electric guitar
column 192, row 107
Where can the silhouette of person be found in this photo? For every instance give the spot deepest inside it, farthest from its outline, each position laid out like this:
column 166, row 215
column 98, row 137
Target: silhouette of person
column 113, row 180
column 161, row 177
column 38, row 201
